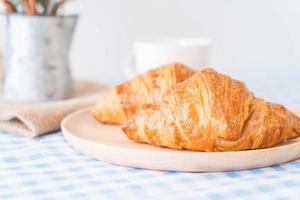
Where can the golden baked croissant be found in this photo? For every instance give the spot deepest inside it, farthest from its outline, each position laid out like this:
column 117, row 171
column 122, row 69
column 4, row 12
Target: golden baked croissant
column 212, row 112
column 121, row 102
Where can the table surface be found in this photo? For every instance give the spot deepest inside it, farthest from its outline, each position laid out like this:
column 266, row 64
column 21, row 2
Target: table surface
column 48, row 168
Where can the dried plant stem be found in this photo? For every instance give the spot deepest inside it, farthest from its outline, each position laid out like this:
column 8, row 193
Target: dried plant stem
column 26, row 7
column 29, row 7
column 47, row 2
column 57, row 6
column 32, row 5
column 9, row 7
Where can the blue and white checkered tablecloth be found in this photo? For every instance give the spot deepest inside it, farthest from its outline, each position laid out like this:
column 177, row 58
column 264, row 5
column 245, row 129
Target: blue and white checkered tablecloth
column 48, row 168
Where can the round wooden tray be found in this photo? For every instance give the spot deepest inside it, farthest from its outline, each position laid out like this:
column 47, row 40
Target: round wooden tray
column 109, row 144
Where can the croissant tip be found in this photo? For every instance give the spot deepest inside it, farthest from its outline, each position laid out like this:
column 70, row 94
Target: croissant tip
column 125, row 129
column 129, row 127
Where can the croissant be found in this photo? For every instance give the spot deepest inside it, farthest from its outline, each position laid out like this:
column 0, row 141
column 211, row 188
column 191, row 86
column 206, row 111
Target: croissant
column 120, row 103
column 212, row 112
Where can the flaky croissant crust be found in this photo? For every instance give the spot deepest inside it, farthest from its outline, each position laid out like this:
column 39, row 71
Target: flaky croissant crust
column 212, row 112
column 120, row 103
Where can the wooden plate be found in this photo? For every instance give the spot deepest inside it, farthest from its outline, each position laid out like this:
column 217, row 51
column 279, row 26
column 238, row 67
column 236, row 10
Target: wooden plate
column 109, row 144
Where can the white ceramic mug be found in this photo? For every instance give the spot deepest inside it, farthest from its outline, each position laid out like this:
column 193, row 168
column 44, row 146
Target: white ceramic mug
column 146, row 55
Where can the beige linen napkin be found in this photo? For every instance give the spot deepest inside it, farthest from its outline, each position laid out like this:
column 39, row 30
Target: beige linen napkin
column 32, row 120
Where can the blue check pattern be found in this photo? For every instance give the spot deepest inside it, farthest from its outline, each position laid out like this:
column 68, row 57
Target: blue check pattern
column 48, row 168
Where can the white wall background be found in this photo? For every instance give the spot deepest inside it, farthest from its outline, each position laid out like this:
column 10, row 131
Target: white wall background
column 245, row 33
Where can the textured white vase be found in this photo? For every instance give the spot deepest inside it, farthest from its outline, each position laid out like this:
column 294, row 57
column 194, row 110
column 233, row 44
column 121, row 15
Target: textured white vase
column 36, row 64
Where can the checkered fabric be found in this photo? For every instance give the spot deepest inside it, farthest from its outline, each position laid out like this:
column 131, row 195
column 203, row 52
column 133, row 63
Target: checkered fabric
column 48, row 168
